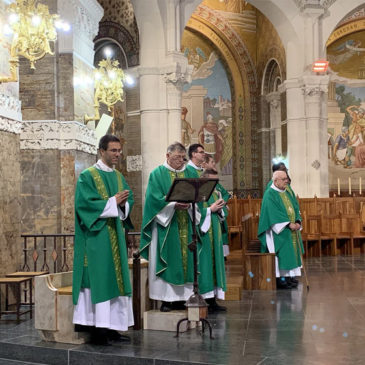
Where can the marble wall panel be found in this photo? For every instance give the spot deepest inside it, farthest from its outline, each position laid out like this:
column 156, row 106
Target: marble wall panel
column 9, row 203
column 40, row 191
column 38, row 103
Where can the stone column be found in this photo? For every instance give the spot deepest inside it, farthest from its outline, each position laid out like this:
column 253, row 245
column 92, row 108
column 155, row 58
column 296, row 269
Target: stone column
column 162, row 72
column 315, row 96
column 307, row 134
column 55, row 144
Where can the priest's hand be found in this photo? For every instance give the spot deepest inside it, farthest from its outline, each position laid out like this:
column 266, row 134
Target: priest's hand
column 121, row 197
column 182, row 206
column 217, row 205
column 294, row 226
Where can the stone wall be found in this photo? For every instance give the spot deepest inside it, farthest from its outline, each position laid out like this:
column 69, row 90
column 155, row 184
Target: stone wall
column 132, row 150
column 10, row 242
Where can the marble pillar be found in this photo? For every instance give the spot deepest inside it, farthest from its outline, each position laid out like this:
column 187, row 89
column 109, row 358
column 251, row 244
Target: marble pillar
column 163, row 71
column 307, row 134
column 55, row 145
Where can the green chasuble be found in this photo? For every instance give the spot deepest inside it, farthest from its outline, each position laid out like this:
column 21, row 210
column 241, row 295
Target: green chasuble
column 174, row 261
column 291, row 194
column 225, row 196
column 211, row 260
column 276, row 208
column 193, row 171
column 100, row 252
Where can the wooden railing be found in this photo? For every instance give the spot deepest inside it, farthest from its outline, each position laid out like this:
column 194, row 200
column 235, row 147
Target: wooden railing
column 54, row 253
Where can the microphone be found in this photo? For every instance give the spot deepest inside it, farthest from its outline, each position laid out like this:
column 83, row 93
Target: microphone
column 185, row 159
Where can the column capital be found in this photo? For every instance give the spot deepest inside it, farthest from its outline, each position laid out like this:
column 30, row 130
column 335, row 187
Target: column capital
column 273, row 99
column 315, row 85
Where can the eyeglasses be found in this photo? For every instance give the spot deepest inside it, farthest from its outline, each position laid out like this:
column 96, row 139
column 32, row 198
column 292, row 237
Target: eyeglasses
column 177, row 157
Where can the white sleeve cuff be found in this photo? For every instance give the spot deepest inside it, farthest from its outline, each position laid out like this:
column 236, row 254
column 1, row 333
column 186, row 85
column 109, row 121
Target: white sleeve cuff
column 197, row 213
column 164, row 217
column 123, row 216
column 278, row 227
column 111, row 209
column 206, row 224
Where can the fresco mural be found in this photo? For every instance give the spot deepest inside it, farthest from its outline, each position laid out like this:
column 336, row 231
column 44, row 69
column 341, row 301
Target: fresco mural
column 207, row 109
column 346, row 138
column 346, row 109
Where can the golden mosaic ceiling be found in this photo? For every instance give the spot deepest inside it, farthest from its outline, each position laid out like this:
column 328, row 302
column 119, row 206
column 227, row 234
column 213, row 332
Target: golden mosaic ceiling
column 120, row 12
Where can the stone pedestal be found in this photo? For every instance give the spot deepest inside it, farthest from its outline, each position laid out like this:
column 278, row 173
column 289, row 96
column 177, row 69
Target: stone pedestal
column 166, row 321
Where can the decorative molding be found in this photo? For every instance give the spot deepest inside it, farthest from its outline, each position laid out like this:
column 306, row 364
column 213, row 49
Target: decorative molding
column 313, row 4
column 52, row 134
column 314, row 90
column 10, row 107
column 134, row 163
column 84, row 15
column 11, row 126
column 316, row 164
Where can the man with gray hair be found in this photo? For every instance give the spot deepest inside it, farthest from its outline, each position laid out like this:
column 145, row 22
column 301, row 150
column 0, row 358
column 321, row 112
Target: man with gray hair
column 166, row 233
column 279, row 230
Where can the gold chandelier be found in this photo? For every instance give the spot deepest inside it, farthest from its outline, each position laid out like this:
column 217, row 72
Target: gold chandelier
column 33, row 29
column 109, row 82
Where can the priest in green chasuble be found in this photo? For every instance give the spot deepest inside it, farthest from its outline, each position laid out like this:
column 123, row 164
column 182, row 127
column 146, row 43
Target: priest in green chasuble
column 211, row 260
column 279, row 231
column 166, row 232
column 196, row 158
column 209, row 164
column 101, row 286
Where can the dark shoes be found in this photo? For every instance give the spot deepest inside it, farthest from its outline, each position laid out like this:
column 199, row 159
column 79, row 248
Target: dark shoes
column 286, row 283
column 213, row 306
column 99, row 336
column 170, row 306
column 166, row 307
column 104, row 336
column 113, row 335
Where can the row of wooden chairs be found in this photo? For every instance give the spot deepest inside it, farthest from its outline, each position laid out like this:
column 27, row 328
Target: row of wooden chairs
column 331, row 226
column 333, row 234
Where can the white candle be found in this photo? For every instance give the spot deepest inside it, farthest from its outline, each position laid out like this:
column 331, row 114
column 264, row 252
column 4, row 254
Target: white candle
column 338, row 187
column 349, row 185
column 360, row 185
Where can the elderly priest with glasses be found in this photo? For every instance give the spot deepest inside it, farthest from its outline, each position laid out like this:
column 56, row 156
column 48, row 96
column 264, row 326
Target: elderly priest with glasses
column 279, row 231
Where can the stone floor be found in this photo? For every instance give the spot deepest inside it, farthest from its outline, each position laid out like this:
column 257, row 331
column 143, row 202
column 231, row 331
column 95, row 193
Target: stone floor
column 323, row 326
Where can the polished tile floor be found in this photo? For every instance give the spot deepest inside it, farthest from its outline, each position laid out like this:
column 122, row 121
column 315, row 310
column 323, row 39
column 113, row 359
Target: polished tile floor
column 325, row 325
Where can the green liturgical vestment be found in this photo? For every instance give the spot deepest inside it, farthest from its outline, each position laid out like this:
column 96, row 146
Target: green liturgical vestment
column 174, row 261
column 278, row 207
column 211, row 259
column 225, row 196
column 100, row 253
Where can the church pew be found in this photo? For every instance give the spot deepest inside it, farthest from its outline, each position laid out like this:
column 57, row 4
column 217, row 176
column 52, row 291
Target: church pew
column 328, row 235
column 311, row 235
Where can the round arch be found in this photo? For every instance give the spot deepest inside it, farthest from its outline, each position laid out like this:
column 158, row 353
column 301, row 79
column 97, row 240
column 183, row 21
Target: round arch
column 212, row 26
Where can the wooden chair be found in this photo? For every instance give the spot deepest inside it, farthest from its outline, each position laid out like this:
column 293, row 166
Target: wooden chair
column 234, row 224
column 344, row 239
column 328, row 235
column 311, row 235
column 352, row 223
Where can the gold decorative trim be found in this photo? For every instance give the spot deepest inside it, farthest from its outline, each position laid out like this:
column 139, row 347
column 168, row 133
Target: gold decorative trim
column 344, row 30
column 100, row 186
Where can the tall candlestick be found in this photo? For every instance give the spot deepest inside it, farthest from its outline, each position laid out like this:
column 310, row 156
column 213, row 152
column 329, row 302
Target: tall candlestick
column 338, row 187
column 350, row 185
column 360, row 185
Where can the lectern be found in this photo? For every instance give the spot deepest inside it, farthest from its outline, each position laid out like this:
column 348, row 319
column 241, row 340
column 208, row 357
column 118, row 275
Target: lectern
column 185, row 190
